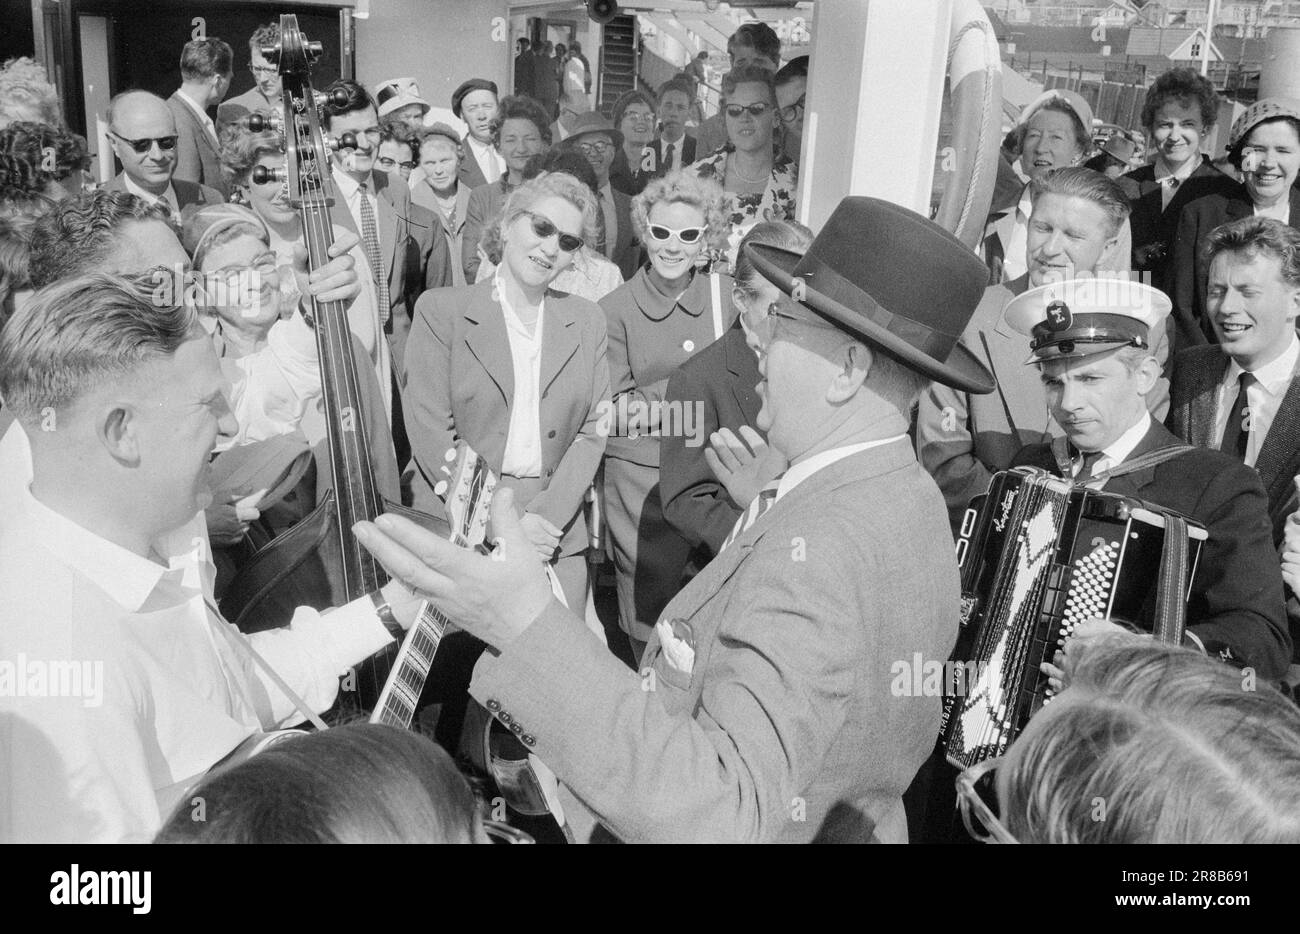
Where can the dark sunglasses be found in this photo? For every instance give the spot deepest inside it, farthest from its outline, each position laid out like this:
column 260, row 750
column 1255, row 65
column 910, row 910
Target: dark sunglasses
column 754, row 110
column 543, row 227
column 142, row 146
column 685, row 234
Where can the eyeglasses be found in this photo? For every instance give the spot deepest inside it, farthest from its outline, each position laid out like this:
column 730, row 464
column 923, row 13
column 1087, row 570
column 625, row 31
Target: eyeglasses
column 388, row 164
column 978, row 802
column 794, row 111
column 142, row 146
column 756, row 109
column 684, row 234
column 543, row 227
column 598, row 148
column 262, row 265
column 263, row 69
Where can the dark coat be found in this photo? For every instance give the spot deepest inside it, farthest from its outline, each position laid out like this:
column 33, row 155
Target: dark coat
column 1190, row 270
column 1237, row 606
column 197, row 159
column 187, row 193
column 721, row 380
column 1154, row 228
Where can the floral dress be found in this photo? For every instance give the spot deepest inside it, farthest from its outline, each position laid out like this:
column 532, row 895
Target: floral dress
column 775, row 203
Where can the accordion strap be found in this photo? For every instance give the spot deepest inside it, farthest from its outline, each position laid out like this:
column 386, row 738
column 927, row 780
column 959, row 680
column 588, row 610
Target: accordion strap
column 1142, row 462
column 1171, row 589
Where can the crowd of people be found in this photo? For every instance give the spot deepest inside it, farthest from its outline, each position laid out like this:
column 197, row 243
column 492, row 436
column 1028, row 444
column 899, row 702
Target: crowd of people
column 764, row 437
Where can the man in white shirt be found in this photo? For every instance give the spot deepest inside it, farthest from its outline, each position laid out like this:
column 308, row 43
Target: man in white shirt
column 205, row 79
column 1091, row 340
column 672, row 147
column 142, row 129
column 105, row 570
column 764, row 710
column 475, row 103
column 1253, row 299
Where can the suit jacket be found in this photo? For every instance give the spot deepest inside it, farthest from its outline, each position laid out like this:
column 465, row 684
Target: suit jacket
column 470, row 174
column 422, row 194
column 963, row 438
column 788, row 727
column 720, row 380
column 251, row 101
column 524, row 74
column 1193, row 414
column 187, row 193
column 1154, row 226
column 415, row 257
column 628, row 178
column 458, row 382
column 627, row 251
column 1236, row 608
column 485, row 203
column 1190, row 271
column 197, row 159
column 658, row 167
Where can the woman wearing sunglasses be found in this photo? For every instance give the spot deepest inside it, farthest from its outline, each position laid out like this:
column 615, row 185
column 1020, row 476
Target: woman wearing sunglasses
column 517, row 370
column 664, row 315
column 520, row 130
column 761, row 184
column 1148, row 743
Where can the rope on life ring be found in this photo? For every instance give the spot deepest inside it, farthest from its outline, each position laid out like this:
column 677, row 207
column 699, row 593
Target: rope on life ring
column 975, row 79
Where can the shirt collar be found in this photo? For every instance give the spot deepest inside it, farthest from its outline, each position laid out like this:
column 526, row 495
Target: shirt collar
column 1274, row 375
column 1025, row 206
column 512, row 320
column 657, row 305
column 169, row 195
column 1118, row 450
column 1183, row 174
column 797, row 473
column 348, row 185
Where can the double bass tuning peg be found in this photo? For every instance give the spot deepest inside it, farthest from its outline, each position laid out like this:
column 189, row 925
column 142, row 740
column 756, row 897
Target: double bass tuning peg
column 345, row 141
column 260, row 123
column 261, row 175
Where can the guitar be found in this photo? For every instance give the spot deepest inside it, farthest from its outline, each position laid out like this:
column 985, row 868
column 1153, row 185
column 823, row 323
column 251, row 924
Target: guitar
column 517, row 788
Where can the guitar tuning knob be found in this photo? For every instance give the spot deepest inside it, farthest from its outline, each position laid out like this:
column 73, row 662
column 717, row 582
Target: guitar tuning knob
column 440, row 488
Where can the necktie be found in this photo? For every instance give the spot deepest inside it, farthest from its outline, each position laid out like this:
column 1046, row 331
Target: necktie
column 1236, row 436
column 762, row 502
column 370, row 234
column 1089, row 460
column 611, row 222
column 668, row 158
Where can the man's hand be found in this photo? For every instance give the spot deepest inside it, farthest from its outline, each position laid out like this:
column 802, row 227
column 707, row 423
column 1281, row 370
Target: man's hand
column 745, row 466
column 227, row 522
column 544, row 536
column 1076, row 645
column 1291, row 548
column 493, row 597
column 404, row 602
column 336, row 281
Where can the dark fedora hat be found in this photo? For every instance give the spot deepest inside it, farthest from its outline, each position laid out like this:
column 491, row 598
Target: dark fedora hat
column 593, row 122
column 893, row 278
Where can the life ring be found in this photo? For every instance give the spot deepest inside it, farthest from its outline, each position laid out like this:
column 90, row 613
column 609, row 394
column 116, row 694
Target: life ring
column 975, row 82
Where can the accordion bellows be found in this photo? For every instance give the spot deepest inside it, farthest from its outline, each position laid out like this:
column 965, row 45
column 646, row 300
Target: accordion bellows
column 1040, row 555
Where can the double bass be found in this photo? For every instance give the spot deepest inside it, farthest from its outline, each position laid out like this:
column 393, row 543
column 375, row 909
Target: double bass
column 319, row 562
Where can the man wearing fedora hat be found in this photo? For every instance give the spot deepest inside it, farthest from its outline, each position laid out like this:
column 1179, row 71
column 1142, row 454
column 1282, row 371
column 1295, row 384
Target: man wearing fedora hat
column 767, row 706
column 1091, row 341
column 595, row 137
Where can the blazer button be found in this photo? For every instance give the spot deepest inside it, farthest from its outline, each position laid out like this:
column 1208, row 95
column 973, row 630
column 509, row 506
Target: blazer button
column 529, row 740
column 493, row 705
column 551, row 433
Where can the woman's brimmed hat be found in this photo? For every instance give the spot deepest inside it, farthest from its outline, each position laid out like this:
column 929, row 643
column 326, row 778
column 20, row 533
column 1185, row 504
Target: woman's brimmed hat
column 893, row 278
column 1268, row 109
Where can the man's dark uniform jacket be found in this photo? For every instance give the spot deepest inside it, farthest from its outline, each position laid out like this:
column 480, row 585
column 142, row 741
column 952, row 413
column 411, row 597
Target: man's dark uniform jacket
column 1236, row 608
column 1198, row 373
column 721, row 378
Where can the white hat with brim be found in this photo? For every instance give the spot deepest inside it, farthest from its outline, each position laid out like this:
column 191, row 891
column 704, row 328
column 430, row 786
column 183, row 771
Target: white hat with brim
column 1082, row 317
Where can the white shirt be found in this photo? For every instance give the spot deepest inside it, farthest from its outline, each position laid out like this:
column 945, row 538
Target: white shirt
column 168, row 197
column 1118, row 450
column 1166, row 181
column 352, row 194
column 1264, row 398
column 1015, row 258
column 174, row 696
column 199, row 112
column 798, row 473
column 523, row 452
column 272, row 388
column 489, row 160
column 1279, row 212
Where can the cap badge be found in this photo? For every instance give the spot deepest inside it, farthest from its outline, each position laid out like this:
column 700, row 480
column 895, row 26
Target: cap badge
column 1059, row 317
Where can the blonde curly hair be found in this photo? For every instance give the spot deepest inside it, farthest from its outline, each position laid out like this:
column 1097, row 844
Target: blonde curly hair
column 682, row 187
column 26, row 94
column 549, row 184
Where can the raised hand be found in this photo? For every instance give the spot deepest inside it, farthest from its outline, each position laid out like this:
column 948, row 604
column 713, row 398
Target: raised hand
column 743, row 465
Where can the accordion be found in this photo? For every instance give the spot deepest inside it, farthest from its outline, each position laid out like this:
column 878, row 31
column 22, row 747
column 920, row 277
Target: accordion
column 1038, row 556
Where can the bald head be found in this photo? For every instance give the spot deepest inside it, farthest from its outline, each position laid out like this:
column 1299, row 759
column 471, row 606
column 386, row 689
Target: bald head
column 144, row 138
